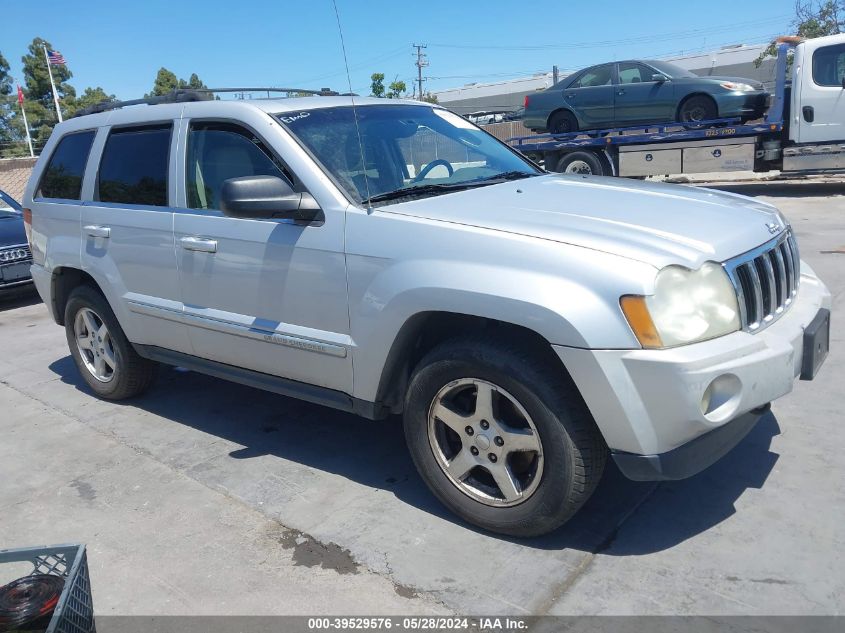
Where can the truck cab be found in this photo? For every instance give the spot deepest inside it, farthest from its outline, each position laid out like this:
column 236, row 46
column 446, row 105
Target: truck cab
column 818, row 91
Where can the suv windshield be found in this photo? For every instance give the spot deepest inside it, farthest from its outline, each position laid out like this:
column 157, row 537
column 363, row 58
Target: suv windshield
column 411, row 151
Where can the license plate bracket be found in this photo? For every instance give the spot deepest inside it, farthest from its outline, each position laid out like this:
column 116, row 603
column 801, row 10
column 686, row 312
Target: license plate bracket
column 816, row 344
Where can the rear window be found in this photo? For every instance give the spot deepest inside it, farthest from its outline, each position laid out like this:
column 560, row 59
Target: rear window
column 63, row 177
column 133, row 169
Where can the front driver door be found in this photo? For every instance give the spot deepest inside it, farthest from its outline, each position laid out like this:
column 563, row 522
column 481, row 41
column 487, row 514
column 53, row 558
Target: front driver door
column 265, row 295
column 590, row 97
column 821, row 109
column 640, row 99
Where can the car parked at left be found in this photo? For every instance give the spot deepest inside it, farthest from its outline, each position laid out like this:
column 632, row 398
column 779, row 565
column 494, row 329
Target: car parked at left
column 15, row 256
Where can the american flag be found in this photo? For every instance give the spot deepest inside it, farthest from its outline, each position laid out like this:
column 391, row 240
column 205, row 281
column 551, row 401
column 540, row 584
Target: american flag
column 55, row 58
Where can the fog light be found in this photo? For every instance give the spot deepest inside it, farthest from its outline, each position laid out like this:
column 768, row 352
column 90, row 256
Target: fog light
column 720, row 399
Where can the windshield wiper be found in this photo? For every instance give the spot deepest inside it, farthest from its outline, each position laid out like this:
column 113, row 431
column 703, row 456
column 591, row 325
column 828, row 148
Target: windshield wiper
column 434, row 189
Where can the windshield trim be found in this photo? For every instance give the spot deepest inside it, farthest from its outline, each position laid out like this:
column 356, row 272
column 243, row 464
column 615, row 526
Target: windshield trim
column 363, row 205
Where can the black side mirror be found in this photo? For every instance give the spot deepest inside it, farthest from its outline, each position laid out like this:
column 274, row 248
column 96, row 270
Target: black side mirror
column 267, row 197
column 659, row 77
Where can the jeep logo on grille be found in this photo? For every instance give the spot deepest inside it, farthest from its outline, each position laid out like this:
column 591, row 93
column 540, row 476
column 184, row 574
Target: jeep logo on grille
column 13, row 254
column 773, row 228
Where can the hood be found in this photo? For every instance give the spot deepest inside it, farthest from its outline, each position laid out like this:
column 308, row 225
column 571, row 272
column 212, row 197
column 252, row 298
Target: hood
column 650, row 222
column 12, row 231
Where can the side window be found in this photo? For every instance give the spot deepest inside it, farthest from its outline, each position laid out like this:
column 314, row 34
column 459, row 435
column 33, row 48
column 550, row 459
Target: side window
column 63, row 176
column 598, row 76
column 829, row 66
column 133, row 169
column 632, row 73
column 219, row 151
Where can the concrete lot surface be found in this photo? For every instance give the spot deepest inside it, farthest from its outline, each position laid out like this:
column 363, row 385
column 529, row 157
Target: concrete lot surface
column 205, row 497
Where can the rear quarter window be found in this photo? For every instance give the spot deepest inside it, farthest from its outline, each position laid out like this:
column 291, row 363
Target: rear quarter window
column 133, row 169
column 62, row 179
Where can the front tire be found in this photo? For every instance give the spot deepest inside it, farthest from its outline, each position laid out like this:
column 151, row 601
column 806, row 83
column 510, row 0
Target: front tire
column 696, row 109
column 108, row 363
column 501, row 436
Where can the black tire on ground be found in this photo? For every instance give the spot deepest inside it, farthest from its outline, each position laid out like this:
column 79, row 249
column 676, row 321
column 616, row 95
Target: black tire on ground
column 563, row 122
column 586, row 163
column 573, row 450
column 697, row 108
column 132, row 374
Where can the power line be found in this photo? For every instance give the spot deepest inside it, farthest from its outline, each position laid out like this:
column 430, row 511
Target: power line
column 631, row 40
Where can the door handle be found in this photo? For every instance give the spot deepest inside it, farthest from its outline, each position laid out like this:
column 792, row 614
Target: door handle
column 570, row 96
column 809, row 113
column 97, row 231
column 620, row 92
column 198, row 244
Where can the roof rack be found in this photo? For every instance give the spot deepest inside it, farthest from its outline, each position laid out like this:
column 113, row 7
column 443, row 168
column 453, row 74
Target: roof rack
column 183, row 95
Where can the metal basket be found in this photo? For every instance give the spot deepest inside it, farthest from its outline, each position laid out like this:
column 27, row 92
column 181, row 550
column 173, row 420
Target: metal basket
column 74, row 612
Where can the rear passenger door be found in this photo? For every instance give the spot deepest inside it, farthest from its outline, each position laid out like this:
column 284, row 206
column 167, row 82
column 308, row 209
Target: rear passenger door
column 127, row 233
column 265, row 295
column 590, row 96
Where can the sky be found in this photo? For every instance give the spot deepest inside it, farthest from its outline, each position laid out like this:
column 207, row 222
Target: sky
column 120, row 45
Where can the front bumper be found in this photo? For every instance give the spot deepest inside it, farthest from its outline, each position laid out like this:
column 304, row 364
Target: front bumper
column 742, row 104
column 649, row 403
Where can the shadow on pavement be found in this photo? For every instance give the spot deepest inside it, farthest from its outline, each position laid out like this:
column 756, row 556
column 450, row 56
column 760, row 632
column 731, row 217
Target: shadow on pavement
column 622, row 518
column 18, row 298
column 785, row 189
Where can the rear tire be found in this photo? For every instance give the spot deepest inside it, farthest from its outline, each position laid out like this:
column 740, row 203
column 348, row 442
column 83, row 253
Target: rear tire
column 539, row 432
column 563, row 122
column 108, row 363
column 584, row 163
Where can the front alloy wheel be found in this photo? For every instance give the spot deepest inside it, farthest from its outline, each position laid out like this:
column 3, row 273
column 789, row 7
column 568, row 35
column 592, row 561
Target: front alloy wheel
column 485, row 442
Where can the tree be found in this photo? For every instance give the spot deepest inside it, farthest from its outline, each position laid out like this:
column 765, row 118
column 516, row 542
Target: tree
column 377, row 87
column 396, row 89
column 90, row 97
column 812, row 19
column 165, row 81
column 7, row 107
column 40, row 109
column 429, row 98
column 195, row 82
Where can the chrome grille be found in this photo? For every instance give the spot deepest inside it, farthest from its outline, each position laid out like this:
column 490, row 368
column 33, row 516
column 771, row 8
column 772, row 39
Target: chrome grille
column 766, row 280
column 19, row 253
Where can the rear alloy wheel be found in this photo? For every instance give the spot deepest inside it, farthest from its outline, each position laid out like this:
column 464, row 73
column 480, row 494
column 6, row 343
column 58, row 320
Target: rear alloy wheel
column 697, row 109
column 584, row 163
column 108, row 363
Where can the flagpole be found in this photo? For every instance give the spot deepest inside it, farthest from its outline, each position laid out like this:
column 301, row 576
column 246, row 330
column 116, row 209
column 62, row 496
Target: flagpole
column 26, row 126
column 53, row 85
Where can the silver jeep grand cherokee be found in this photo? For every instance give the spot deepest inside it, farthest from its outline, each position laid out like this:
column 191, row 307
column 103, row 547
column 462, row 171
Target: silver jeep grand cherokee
column 389, row 257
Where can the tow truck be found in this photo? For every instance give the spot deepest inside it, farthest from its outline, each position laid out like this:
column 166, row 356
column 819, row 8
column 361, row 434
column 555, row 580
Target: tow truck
column 802, row 132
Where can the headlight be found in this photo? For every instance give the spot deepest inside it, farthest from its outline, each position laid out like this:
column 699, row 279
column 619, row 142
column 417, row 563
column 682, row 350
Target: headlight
column 687, row 306
column 730, row 85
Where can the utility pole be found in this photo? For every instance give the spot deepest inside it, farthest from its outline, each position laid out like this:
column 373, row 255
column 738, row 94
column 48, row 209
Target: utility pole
column 421, row 61
column 555, row 75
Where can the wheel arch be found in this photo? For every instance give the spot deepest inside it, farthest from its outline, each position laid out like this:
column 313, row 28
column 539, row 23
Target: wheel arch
column 62, row 283
column 697, row 93
column 568, row 110
column 423, row 331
